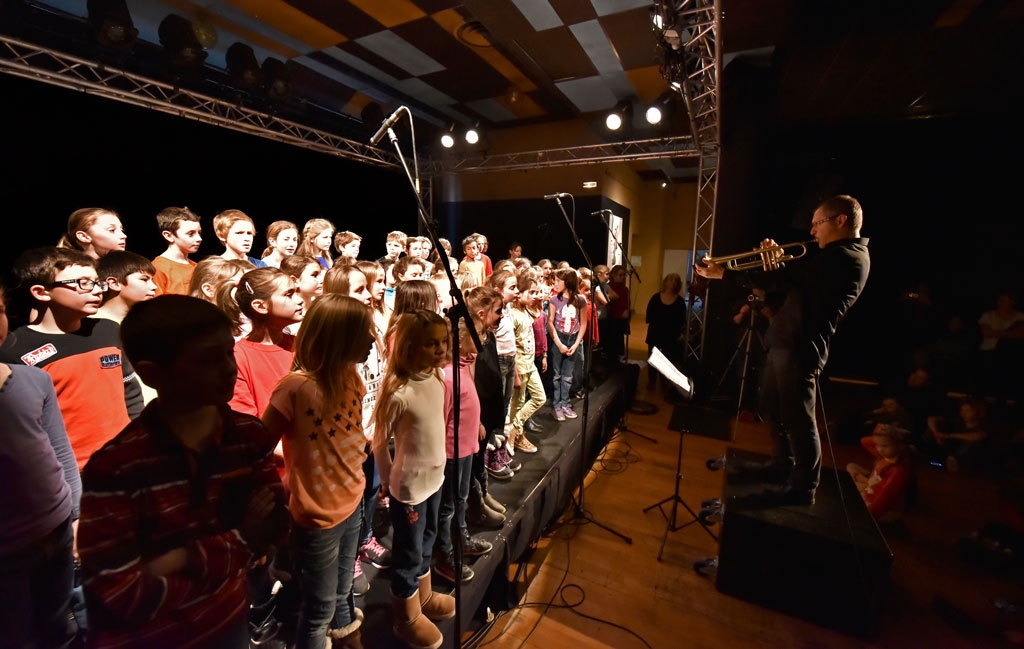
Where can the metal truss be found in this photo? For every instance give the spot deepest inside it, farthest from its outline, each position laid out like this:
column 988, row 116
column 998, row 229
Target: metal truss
column 655, row 149
column 694, row 70
column 23, row 59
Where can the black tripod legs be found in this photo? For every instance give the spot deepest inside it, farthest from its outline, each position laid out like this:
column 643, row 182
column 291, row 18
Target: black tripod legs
column 671, row 521
column 621, row 427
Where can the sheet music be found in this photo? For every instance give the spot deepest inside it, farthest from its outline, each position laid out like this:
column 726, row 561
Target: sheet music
column 661, row 363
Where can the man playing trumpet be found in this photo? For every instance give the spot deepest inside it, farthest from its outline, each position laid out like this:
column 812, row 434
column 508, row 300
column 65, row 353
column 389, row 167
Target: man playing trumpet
column 820, row 292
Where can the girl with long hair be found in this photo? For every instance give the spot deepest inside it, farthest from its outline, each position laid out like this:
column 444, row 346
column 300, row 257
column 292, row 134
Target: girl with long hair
column 271, row 301
column 411, row 411
column 567, row 329
column 316, row 241
column 282, row 241
column 95, row 231
column 315, row 410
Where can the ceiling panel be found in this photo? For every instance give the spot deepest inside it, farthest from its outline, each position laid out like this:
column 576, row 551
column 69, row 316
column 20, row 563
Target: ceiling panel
column 510, row 63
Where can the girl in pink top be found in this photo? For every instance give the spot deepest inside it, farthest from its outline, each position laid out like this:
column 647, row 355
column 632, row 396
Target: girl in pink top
column 317, row 411
column 270, row 298
column 458, row 471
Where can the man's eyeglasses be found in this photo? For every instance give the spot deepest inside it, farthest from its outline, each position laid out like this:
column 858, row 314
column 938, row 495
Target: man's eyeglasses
column 84, row 284
column 831, row 218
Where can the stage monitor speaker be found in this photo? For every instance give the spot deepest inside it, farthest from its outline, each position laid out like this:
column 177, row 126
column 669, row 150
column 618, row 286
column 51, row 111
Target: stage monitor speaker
column 814, row 562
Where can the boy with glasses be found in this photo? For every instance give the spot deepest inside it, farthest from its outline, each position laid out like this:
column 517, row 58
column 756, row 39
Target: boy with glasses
column 97, row 390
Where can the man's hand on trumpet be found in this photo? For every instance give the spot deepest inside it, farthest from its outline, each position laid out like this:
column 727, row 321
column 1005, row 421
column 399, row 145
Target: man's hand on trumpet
column 709, row 269
column 771, row 255
column 770, row 260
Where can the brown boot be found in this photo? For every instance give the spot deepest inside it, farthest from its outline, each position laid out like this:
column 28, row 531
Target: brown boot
column 411, row 626
column 479, row 514
column 347, row 637
column 436, row 606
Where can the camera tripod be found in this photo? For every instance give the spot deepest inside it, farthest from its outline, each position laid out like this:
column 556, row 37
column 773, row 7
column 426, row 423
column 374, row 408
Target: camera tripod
column 671, row 521
column 743, row 345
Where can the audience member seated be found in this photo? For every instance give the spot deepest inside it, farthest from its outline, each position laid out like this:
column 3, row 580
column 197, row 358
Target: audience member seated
column 890, row 411
column 886, row 485
column 961, row 441
column 1001, row 349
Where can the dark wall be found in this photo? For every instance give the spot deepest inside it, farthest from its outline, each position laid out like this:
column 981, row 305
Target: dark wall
column 938, row 210
column 62, row 150
column 539, row 225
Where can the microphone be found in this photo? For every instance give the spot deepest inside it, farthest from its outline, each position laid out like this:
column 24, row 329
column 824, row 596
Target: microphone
column 388, row 123
column 548, row 197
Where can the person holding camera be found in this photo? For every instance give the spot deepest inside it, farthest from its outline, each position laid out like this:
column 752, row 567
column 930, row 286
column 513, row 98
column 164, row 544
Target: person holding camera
column 753, row 317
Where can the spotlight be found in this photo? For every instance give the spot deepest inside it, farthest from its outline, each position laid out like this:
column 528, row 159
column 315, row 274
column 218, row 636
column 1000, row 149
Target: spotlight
column 472, row 136
column 664, row 184
column 181, row 46
column 112, row 22
column 658, row 109
column 447, row 141
column 277, row 79
column 243, row 66
column 673, row 39
column 619, row 115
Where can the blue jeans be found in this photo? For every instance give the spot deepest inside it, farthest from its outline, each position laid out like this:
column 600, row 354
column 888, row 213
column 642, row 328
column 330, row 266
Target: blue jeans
column 325, row 560
column 369, row 504
column 35, row 592
column 562, row 368
column 414, row 529
column 788, row 402
column 453, row 502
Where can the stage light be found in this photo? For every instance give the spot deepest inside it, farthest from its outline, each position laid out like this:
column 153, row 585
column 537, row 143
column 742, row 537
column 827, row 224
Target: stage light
column 618, row 116
column 447, row 141
column 243, row 66
column 180, row 43
column 673, row 39
column 664, row 184
column 112, row 22
column 660, row 107
column 472, row 136
column 276, row 79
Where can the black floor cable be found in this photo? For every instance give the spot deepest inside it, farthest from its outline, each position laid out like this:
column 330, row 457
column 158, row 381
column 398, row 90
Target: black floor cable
column 563, row 588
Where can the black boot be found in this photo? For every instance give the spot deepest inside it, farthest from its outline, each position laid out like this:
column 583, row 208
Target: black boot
column 473, row 546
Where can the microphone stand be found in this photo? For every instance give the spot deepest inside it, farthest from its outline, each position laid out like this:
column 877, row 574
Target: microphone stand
column 458, row 311
column 622, row 427
column 581, row 514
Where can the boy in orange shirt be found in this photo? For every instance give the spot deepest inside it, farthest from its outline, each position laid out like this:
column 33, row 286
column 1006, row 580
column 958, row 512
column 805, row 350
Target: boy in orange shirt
column 180, row 227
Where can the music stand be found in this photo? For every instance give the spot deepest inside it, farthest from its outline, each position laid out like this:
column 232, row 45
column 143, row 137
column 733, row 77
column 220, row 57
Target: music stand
column 685, row 387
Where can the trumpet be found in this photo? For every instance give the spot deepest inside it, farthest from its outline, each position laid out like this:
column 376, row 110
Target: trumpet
column 768, row 258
